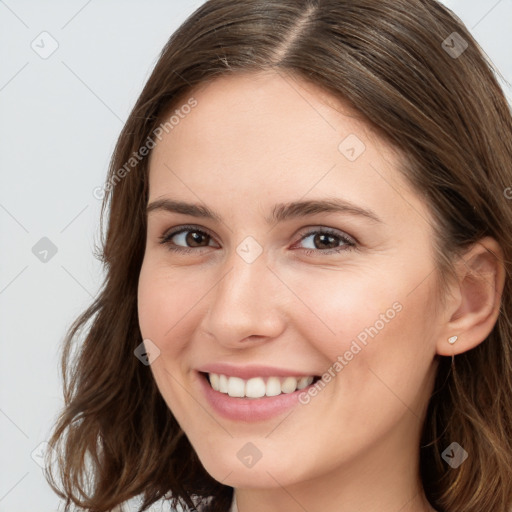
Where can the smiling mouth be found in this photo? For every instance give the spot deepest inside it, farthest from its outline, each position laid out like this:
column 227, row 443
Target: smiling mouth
column 257, row 387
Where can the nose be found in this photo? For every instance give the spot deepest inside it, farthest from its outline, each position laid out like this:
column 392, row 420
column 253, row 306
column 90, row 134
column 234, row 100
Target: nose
column 246, row 304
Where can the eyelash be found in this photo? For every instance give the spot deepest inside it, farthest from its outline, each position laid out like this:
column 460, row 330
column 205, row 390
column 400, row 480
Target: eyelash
column 350, row 243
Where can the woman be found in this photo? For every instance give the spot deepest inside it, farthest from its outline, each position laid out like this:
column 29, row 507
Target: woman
column 235, row 362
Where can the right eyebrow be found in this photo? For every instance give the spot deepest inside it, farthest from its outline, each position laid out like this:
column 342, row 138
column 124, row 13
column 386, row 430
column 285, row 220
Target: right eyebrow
column 173, row 206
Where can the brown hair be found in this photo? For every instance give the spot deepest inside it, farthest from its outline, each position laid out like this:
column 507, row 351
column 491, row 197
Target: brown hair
column 448, row 116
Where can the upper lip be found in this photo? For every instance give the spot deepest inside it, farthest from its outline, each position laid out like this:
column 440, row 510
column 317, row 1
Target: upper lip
column 249, row 371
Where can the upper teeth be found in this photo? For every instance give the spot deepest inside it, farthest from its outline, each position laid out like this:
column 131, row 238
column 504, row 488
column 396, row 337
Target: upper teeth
column 257, row 387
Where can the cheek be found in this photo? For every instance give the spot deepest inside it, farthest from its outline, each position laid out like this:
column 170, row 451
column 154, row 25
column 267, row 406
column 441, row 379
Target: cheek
column 335, row 307
column 369, row 323
column 391, row 370
column 165, row 296
column 163, row 303
column 151, row 302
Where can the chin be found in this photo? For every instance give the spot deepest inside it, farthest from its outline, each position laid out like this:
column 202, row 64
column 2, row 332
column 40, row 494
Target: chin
column 228, row 469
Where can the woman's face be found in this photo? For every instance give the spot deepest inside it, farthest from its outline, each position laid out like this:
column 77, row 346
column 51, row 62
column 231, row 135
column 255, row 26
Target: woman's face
column 273, row 285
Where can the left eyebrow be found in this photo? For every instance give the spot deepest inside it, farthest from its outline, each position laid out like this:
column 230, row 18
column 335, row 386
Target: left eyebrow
column 285, row 211
column 281, row 211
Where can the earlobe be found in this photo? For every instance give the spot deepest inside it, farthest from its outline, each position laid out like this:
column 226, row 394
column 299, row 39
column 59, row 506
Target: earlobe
column 481, row 283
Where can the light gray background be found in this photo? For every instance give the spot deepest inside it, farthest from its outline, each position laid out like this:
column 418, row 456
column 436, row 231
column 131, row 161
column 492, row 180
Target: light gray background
column 59, row 120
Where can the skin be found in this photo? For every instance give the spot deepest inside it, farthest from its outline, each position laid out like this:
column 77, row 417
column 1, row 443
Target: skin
column 251, row 142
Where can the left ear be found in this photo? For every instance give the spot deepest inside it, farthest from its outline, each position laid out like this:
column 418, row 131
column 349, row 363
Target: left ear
column 476, row 299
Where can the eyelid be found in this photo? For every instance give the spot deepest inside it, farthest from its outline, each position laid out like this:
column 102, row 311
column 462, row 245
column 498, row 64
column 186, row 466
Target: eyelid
column 184, row 228
column 350, row 241
column 325, row 229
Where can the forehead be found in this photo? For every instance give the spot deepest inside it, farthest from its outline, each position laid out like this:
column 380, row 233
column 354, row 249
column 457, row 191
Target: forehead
column 259, row 138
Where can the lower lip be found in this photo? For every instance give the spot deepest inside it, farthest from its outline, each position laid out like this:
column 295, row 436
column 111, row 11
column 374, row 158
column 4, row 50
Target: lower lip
column 249, row 409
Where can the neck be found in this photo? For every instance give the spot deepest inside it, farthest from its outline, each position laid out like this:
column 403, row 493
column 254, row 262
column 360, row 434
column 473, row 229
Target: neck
column 385, row 478
column 382, row 497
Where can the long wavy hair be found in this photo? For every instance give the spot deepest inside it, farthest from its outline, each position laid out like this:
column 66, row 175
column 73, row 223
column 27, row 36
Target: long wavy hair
column 399, row 64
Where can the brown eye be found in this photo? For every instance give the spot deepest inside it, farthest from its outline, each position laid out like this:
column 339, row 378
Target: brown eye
column 186, row 238
column 326, row 241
